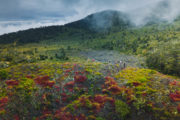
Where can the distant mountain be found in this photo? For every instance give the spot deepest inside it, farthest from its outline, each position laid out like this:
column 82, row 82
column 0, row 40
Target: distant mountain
column 102, row 21
column 94, row 23
column 109, row 21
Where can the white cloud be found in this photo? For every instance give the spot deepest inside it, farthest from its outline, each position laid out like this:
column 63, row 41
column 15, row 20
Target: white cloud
column 24, row 14
column 13, row 26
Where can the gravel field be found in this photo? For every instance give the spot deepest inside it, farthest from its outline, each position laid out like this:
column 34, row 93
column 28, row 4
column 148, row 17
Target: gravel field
column 114, row 57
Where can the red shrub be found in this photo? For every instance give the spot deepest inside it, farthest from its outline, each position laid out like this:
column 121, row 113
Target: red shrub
column 40, row 80
column 144, row 94
column 57, row 88
column 110, row 81
column 136, row 84
column 64, row 97
column 115, row 89
column 29, row 76
column 175, row 96
column 3, row 101
column 12, row 82
column 57, row 101
column 79, row 78
column 62, row 115
column 77, row 73
column 46, row 112
column 44, row 81
column 80, row 117
column 103, row 99
column 16, row 117
column 50, row 84
column 173, row 83
column 69, row 84
column 100, row 98
column 67, row 71
column 109, row 78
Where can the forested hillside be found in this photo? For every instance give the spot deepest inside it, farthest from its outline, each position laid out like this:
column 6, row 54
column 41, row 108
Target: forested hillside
column 88, row 26
column 159, row 42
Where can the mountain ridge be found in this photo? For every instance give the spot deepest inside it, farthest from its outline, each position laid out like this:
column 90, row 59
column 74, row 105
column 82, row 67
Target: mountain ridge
column 97, row 23
column 93, row 23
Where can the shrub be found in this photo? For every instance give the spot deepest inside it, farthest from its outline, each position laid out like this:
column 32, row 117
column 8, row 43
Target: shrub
column 69, row 48
column 43, row 57
column 122, row 109
column 100, row 118
column 3, row 74
column 62, row 55
column 165, row 59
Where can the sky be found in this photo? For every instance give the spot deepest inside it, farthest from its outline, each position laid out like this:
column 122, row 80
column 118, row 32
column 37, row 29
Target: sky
column 18, row 15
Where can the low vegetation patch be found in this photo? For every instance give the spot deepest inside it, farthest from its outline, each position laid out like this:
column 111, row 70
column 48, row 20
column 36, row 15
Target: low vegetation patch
column 88, row 91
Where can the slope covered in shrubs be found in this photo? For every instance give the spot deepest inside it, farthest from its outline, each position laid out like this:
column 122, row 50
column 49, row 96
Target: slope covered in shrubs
column 88, row 91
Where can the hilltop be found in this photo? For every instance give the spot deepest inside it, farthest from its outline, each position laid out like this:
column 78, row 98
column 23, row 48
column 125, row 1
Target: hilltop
column 95, row 23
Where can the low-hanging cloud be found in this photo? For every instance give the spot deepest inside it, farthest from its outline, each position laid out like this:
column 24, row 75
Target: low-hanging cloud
column 23, row 14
